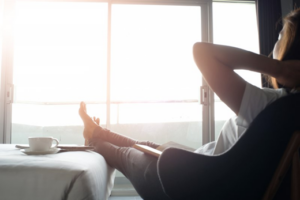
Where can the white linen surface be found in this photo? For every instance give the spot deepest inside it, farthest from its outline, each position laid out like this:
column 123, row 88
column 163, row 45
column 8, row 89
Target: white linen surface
column 73, row 175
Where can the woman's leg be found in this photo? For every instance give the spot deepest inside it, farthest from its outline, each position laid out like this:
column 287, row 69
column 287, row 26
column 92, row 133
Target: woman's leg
column 93, row 132
column 118, row 139
column 139, row 168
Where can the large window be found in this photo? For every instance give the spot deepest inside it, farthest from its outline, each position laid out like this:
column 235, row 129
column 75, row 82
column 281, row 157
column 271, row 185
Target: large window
column 154, row 80
column 60, row 59
column 131, row 63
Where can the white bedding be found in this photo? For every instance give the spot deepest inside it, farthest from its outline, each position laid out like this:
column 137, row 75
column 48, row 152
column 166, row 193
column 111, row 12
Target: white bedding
column 74, row 175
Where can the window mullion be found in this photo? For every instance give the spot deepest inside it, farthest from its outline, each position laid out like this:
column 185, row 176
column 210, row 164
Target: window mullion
column 2, row 88
column 208, row 109
column 108, row 94
column 7, row 70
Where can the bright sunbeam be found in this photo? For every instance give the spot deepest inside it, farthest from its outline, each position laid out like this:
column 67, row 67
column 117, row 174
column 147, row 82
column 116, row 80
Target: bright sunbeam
column 152, row 53
column 63, row 58
column 60, row 52
column 60, row 55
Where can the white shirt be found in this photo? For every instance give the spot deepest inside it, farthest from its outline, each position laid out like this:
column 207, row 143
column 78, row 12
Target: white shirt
column 253, row 102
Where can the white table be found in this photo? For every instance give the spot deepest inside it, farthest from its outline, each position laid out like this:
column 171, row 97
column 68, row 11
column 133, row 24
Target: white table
column 75, row 175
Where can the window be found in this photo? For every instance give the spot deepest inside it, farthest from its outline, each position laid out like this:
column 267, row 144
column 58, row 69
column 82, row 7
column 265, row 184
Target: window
column 154, row 80
column 59, row 60
column 135, row 70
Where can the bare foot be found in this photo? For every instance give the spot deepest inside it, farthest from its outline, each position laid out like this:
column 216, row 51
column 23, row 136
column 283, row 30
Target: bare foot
column 89, row 123
column 96, row 120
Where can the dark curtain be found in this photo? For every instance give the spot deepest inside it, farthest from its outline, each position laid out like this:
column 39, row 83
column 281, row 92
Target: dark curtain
column 296, row 3
column 269, row 24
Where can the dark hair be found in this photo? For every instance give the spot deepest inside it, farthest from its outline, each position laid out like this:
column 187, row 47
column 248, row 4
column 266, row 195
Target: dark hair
column 289, row 44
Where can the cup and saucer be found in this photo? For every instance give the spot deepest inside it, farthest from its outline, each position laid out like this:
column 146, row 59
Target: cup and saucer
column 41, row 146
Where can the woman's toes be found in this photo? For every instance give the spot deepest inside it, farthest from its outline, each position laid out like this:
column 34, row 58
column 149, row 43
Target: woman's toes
column 82, row 112
column 89, row 124
column 96, row 120
column 82, row 107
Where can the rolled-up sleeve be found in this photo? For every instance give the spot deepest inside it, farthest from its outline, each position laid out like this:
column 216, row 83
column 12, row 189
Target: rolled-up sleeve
column 254, row 101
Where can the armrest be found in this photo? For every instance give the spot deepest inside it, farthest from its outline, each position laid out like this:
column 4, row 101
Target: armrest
column 244, row 171
column 175, row 165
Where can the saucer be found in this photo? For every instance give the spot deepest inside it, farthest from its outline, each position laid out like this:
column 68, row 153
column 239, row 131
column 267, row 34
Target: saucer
column 30, row 152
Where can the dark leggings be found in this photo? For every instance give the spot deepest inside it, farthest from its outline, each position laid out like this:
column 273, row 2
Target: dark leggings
column 138, row 167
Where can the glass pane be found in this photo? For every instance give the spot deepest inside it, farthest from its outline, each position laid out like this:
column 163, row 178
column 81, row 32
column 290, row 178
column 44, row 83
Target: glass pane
column 60, row 58
column 239, row 32
column 154, row 81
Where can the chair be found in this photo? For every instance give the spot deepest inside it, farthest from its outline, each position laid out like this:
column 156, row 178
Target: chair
column 252, row 169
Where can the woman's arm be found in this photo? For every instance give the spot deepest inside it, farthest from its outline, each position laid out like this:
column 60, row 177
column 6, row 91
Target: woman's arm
column 217, row 64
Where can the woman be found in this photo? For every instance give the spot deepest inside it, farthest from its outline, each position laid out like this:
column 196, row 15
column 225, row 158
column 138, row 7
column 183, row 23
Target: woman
column 217, row 64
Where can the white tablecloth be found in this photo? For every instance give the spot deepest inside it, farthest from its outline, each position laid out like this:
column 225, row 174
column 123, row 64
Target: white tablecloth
column 68, row 175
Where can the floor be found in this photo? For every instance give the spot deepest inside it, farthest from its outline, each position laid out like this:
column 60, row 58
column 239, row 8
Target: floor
column 123, row 189
column 125, row 198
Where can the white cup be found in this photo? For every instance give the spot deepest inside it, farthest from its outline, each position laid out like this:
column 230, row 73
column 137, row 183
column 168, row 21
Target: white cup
column 42, row 143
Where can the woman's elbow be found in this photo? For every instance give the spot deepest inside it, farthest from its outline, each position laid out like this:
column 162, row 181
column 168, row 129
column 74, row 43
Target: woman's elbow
column 201, row 47
column 197, row 46
column 201, row 52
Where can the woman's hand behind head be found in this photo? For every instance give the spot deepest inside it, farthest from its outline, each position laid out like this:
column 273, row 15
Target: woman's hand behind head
column 289, row 74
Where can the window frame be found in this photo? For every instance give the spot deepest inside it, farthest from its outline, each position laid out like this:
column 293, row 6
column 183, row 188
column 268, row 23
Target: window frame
column 7, row 60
